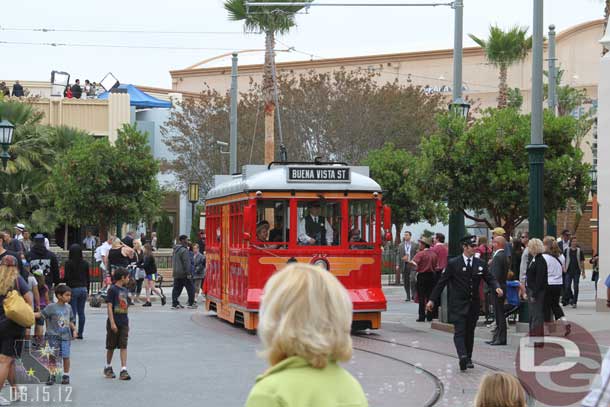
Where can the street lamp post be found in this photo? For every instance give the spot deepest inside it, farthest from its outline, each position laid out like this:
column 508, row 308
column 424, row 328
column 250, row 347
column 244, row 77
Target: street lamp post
column 536, row 147
column 193, row 196
column 6, row 139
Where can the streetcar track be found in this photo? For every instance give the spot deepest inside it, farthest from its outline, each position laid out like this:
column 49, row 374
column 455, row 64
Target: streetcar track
column 439, row 388
column 367, row 336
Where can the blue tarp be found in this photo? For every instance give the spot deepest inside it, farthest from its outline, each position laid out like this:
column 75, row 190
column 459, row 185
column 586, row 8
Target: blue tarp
column 139, row 99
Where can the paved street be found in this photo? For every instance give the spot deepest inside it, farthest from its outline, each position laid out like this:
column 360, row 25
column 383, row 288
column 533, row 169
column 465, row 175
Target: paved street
column 189, row 358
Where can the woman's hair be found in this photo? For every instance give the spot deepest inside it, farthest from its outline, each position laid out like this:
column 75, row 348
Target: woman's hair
column 517, row 247
column 116, row 243
column 261, row 226
column 8, row 275
column 551, row 247
column 148, row 251
column 306, row 312
column 75, row 254
column 500, row 390
column 482, row 240
column 137, row 244
column 535, row 247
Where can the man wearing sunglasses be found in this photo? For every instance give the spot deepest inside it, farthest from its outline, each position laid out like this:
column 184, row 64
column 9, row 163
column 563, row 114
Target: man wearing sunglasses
column 463, row 275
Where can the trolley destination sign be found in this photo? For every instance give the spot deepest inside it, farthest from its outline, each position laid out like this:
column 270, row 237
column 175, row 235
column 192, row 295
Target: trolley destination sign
column 319, row 174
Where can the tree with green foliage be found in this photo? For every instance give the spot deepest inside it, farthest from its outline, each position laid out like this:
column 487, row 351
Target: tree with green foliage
column 26, row 189
column 503, row 49
column 165, row 232
column 396, row 171
column 98, row 183
column 271, row 21
column 485, row 168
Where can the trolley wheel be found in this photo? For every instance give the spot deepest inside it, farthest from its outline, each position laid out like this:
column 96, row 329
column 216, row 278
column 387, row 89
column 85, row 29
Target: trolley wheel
column 361, row 325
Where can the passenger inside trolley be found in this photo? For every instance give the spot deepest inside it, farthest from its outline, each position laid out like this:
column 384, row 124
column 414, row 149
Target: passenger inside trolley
column 314, row 228
column 262, row 231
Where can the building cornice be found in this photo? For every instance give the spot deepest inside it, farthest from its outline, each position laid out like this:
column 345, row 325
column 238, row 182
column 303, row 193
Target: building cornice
column 365, row 59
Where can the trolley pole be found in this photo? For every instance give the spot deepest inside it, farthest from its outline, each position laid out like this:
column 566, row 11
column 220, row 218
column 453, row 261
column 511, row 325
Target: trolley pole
column 551, row 226
column 233, row 121
column 536, row 147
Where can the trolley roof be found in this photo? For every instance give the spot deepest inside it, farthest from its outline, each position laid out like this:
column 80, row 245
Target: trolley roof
column 294, row 177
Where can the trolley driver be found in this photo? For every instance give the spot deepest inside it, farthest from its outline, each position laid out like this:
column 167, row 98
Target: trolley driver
column 315, row 229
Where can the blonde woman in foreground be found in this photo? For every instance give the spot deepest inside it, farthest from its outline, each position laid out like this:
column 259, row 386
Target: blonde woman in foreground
column 500, row 390
column 305, row 322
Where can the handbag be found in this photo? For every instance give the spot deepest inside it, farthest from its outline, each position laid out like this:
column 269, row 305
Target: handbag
column 140, row 274
column 17, row 310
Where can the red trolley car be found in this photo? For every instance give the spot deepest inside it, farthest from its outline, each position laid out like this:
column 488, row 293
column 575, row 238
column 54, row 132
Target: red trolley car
column 327, row 214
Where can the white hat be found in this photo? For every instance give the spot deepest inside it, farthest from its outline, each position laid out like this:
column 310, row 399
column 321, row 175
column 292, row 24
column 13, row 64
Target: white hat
column 20, row 227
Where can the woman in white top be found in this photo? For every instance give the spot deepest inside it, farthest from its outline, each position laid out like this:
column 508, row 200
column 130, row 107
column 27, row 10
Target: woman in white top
column 555, row 262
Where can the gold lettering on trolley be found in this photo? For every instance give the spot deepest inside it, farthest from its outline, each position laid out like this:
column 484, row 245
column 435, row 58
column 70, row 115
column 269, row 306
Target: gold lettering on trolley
column 339, row 266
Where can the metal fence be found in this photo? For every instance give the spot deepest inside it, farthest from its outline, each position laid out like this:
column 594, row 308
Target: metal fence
column 163, row 260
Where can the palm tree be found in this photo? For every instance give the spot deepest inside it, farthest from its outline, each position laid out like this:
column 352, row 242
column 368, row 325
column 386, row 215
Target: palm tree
column 503, row 49
column 271, row 21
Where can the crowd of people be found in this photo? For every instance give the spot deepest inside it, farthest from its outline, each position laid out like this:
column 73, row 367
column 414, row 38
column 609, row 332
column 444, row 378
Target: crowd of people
column 90, row 90
column 57, row 300
column 18, row 90
column 303, row 340
column 544, row 272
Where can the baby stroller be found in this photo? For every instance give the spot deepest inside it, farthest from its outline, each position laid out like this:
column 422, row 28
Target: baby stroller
column 99, row 298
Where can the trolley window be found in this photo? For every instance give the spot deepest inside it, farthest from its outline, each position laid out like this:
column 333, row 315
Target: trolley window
column 319, row 223
column 273, row 223
column 213, row 225
column 362, row 224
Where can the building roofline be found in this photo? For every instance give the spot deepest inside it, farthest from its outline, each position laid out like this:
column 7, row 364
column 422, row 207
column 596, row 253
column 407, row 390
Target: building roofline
column 366, row 59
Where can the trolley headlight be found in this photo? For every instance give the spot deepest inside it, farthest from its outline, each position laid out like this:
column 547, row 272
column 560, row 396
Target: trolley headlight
column 321, row 263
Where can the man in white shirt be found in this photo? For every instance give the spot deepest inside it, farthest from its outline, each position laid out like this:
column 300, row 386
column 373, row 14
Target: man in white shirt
column 101, row 254
column 315, row 229
column 19, row 228
column 89, row 241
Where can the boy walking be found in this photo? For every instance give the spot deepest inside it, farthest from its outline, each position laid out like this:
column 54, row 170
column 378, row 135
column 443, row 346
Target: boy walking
column 117, row 325
column 60, row 329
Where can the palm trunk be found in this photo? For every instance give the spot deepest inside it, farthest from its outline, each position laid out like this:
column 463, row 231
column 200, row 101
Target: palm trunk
column 503, row 88
column 268, row 97
column 606, row 16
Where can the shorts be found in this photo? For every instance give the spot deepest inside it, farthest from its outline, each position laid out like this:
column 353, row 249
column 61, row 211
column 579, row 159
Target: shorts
column 152, row 277
column 116, row 340
column 11, row 346
column 39, row 321
column 61, row 346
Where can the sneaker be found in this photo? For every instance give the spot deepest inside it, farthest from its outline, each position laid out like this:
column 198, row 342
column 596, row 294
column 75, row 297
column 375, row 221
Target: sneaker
column 163, row 300
column 65, row 379
column 573, row 305
column 4, row 402
column 176, row 307
column 109, row 373
column 147, row 304
column 180, row 306
column 51, row 380
column 124, row 375
column 192, row 306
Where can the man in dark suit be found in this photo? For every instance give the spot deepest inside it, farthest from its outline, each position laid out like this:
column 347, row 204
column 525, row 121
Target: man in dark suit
column 463, row 275
column 406, row 251
column 499, row 269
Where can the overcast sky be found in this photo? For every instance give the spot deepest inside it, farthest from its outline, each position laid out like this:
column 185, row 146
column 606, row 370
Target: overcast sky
column 324, row 32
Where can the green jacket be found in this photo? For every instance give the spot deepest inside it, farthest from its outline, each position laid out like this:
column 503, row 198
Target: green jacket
column 294, row 383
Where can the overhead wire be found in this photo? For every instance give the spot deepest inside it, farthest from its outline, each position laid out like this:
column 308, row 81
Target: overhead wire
column 122, row 31
column 93, row 45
